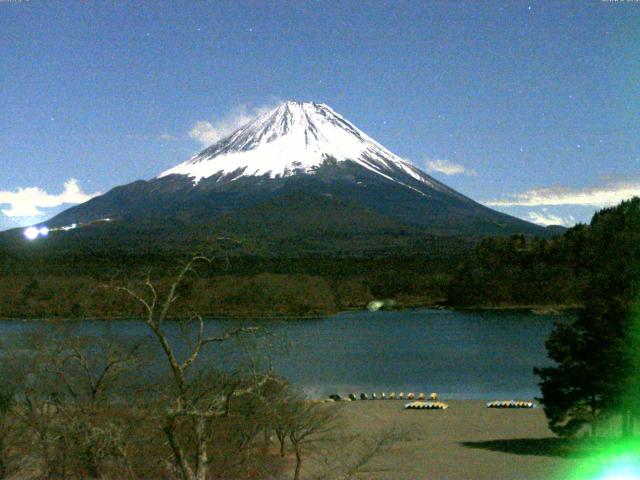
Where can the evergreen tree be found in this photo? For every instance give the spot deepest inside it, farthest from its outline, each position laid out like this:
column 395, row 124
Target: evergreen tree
column 596, row 375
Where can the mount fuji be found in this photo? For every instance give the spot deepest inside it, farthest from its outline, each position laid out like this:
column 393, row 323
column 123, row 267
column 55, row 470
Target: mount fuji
column 299, row 169
column 297, row 138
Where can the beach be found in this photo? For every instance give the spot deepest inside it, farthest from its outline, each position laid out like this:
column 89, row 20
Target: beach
column 466, row 441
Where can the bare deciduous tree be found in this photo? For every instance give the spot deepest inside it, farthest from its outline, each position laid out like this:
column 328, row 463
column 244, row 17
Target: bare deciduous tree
column 350, row 457
column 81, row 407
column 65, row 405
column 316, row 432
column 7, row 403
column 309, row 424
column 192, row 410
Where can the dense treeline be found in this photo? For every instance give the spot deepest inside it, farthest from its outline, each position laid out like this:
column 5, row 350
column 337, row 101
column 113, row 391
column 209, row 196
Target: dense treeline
column 49, row 279
column 596, row 376
column 263, row 293
column 41, row 282
column 514, row 271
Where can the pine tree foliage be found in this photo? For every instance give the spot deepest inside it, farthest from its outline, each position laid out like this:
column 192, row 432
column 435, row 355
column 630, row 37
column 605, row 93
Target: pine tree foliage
column 597, row 356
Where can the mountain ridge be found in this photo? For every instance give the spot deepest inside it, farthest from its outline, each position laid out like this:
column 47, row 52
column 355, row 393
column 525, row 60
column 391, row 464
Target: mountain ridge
column 293, row 138
column 297, row 147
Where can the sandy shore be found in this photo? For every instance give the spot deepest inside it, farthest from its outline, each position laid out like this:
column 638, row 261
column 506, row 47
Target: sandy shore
column 467, row 441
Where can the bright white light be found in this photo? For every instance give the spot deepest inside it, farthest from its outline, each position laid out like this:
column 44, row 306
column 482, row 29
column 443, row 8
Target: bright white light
column 626, row 469
column 31, row 233
column 44, row 231
column 621, row 475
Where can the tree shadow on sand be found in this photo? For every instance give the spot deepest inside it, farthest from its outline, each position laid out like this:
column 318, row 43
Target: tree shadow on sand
column 540, row 447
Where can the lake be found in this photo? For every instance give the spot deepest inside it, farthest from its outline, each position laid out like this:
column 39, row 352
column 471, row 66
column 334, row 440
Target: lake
column 459, row 354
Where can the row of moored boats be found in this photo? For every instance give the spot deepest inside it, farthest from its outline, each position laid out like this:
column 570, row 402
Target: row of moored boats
column 384, row 396
column 510, row 404
column 419, row 405
column 422, row 402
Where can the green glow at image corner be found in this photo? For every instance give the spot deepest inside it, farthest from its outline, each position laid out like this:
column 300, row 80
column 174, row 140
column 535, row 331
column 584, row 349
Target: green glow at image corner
column 615, row 459
column 618, row 461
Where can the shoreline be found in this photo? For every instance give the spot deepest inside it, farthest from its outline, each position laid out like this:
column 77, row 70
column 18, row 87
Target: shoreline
column 538, row 309
column 535, row 309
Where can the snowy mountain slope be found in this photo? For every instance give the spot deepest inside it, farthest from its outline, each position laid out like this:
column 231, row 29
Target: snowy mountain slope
column 296, row 138
column 300, row 151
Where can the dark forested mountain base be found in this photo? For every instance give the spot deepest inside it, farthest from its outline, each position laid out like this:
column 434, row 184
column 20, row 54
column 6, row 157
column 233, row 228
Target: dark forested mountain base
column 514, row 271
column 60, row 276
column 51, row 281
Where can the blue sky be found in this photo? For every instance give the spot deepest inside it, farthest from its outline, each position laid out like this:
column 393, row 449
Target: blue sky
column 530, row 107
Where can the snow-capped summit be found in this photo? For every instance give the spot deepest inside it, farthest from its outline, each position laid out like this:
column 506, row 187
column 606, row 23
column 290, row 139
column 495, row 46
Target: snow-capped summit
column 293, row 138
column 303, row 169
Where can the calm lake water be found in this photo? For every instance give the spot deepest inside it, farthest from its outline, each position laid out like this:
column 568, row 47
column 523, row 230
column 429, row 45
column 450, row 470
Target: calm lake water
column 475, row 354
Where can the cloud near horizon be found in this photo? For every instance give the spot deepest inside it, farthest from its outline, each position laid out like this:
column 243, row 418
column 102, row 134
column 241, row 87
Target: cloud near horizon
column 208, row 133
column 447, row 167
column 601, row 196
column 28, row 202
column 546, row 219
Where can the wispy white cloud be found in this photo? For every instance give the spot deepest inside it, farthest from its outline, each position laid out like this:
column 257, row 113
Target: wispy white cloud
column 600, row 196
column 207, row 132
column 546, row 219
column 28, row 202
column 447, row 167
column 166, row 137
